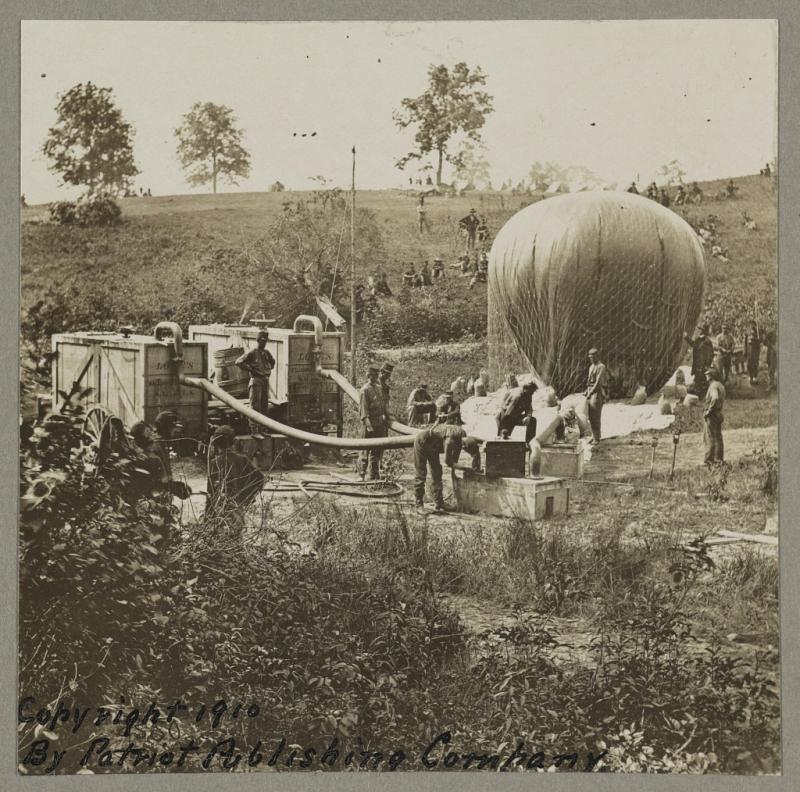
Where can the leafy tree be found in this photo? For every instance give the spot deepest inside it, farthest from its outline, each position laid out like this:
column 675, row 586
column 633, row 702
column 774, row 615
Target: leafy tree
column 543, row 174
column 672, row 172
column 453, row 103
column 91, row 144
column 210, row 145
column 473, row 167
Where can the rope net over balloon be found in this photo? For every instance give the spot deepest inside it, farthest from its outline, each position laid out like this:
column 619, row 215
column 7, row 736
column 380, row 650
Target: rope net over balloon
column 609, row 270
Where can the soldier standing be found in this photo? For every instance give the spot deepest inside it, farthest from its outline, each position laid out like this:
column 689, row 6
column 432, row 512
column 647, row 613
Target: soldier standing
column 375, row 420
column 596, row 393
column 724, row 344
column 470, row 224
column 712, row 416
column 258, row 363
column 752, row 351
column 702, row 358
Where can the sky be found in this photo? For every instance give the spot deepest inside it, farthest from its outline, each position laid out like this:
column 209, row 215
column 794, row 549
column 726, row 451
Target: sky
column 621, row 98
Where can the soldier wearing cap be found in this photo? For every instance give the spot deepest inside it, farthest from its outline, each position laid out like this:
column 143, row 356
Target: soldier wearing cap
column 702, row 357
column 428, row 445
column 156, row 461
column 712, row 415
column 233, row 482
column 596, row 392
column 375, row 420
column 447, row 409
column 258, row 363
column 724, row 345
column 470, row 224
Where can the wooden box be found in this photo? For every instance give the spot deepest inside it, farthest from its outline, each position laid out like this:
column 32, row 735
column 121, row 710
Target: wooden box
column 522, row 498
column 133, row 377
column 311, row 399
column 505, row 458
column 562, row 460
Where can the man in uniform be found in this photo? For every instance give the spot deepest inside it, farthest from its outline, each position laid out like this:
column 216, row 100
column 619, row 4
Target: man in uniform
column 384, row 376
column 447, row 409
column 233, row 482
column 437, row 271
column 420, row 407
column 156, row 461
column 633, row 189
column 258, row 363
column 410, row 277
column 596, row 393
column 422, row 218
column 724, row 344
column 375, row 420
column 712, row 415
column 470, row 224
column 428, row 445
column 752, row 352
column 702, row 358
column 517, row 411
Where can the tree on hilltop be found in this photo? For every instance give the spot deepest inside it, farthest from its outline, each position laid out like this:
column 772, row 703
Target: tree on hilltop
column 91, row 144
column 210, row 145
column 452, row 104
column 672, row 173
column 473, row 167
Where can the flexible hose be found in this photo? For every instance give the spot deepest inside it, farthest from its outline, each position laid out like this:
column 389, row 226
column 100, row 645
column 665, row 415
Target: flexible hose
column 403, row 441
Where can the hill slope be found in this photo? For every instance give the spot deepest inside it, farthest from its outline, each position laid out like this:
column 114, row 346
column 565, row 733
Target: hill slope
column 203, row 257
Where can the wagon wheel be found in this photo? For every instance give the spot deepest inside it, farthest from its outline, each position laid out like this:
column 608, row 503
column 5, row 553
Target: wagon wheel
column 103, row 432
column 93, row 426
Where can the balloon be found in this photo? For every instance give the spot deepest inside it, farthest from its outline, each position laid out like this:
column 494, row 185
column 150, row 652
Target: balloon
column 611, row 270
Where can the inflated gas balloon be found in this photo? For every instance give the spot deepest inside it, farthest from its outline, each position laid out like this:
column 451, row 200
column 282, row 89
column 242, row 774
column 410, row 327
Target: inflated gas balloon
column 611, row 270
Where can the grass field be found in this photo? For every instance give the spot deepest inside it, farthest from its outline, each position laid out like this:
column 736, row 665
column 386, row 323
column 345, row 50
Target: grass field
column 179, row 255
column 604, row 629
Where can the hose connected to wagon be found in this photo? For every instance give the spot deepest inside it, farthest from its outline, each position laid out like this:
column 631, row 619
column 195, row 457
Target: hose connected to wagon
column 360, row 444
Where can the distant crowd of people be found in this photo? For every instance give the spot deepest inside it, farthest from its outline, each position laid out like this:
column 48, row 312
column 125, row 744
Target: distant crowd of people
column 694, row 195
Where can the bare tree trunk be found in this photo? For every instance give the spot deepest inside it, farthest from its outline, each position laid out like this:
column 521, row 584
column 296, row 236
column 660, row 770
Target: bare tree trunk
column 439, row 168
column 214, row 172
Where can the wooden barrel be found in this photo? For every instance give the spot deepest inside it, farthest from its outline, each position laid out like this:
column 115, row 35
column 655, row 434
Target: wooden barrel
column 227, row 374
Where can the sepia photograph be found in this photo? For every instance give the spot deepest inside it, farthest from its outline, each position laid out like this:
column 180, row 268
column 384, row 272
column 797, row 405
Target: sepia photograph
column 398, row 396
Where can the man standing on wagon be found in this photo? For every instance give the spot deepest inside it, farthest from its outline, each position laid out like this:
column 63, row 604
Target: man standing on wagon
column 258, row 363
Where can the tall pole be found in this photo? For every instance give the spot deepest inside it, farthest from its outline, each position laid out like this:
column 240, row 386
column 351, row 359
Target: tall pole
column 353, row 273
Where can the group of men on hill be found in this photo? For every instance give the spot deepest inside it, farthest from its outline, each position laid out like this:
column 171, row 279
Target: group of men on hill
column 661, row 194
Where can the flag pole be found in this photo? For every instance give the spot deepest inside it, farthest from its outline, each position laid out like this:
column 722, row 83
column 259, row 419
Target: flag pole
column 353, row 272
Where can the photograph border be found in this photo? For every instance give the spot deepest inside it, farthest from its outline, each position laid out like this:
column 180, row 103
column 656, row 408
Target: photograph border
column 788, row 16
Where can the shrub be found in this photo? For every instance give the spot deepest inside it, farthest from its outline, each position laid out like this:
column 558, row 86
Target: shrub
column 99, row 211
column 63, row 212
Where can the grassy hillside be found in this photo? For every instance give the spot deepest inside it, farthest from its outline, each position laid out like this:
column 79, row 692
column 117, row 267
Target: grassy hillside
column 204, row 257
